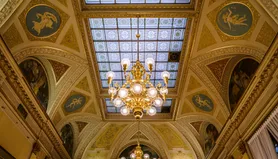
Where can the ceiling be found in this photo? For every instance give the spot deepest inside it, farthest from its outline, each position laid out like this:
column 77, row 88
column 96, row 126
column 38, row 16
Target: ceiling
column 88, row 38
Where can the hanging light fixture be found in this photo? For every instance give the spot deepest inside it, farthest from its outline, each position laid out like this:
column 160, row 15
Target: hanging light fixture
column 138, row 94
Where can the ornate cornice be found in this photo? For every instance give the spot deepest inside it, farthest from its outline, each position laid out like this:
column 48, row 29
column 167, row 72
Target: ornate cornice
column 271, row 8
column 8, row 10
column 263, row 77
column 14, row 78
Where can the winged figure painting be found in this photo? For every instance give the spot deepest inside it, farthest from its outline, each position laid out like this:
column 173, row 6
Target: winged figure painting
column 46, row 21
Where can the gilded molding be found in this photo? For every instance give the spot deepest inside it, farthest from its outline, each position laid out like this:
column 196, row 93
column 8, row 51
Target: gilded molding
column 224, row 37
column 33, row 108
column 64, row 2
column 218, row 68
column 266, row 35
column 245, row 106
column 12, row 36
column 51, row 38
column 271, row 8
column 8, row 10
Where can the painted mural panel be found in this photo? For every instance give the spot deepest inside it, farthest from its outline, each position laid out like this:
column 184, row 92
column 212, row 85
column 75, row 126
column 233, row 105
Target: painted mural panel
column 240, row 79
column 75, row 102
column 127, row 153
column 42, row 21
column 203, row 102
column 211, row 135
column 234, row 19
column 36, row 77
column 67, row 138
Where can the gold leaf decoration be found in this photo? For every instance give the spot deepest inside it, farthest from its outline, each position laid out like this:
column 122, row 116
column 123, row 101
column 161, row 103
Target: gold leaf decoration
column 206, row 39
column 12, row 37
column 70, row 39
column 197, row 125
column 171, row 138
column 266, row 34
column 218, row 68
column 81, row 125
column 193, row 84
column 84, row 85
column 58, row 68
column 106, row 139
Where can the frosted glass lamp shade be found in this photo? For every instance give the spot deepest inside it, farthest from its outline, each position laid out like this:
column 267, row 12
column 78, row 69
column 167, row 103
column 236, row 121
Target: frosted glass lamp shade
column 152, row 111
column 118, row 102
column 110, row 74
column 137, row 88
column 125, row 61
column 152, row 92
column 146, row 156
column 149, row 61
column 165, row 74
column 124, row 111
column 158, row 102
column 132, row 156
column 123, row 93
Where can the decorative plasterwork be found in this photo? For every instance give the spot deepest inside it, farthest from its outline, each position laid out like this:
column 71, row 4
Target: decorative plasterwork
column 193, row 84
column 9, row 67
column 51, row 38
column 211, row 2
column 171, row 138
column 78, row 66
column 108, row 136
column 81, row 125
column 8, row 10
column 84, row 85
column 12, row 37
column 225, row 37
column 57, row 118
column 141, row 136
column 206, row 38
column 199, row 66
column 264, row 75
column 218, row 68
column 70, row 39
column 64, row 2
column 270, row 7
column 58, row 68
column 197, row 125
column 266, row 34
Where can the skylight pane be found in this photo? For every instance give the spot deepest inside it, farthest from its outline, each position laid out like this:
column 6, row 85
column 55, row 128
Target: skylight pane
column 115, row 39
column 107, row 1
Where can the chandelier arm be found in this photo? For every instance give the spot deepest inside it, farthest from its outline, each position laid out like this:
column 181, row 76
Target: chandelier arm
column 138, row 35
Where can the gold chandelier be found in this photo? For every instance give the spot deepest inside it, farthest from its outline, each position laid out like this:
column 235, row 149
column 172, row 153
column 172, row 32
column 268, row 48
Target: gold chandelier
column 138, row 94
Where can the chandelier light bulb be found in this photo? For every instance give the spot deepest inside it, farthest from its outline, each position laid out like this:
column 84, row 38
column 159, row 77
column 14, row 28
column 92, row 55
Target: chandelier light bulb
column 123, row 158
column 158, row 102
column 123, row 93
column 137, row 88
column 118, row 102
column 112, row 91
column 163, row 91
column 146, row 156
column 110, row 74
column 124, row 111
column 152, row 92
column 152, row 111
column 132, row 156
column 165, row 74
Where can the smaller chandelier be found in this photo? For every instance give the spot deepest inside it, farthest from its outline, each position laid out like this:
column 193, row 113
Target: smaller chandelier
column 138, row 94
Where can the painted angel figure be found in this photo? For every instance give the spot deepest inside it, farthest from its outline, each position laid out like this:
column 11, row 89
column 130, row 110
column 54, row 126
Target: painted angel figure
column 47, row 20
column 234, row 19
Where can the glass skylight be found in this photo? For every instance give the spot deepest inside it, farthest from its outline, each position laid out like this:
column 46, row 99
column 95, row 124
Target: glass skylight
column 164, row 109
column 137, row 1
column 114, row 39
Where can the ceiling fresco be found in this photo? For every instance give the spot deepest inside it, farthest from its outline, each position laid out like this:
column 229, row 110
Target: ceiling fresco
column 201, row 43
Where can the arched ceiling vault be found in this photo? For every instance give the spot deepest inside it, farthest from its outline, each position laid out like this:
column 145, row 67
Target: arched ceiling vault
column 207, row 60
